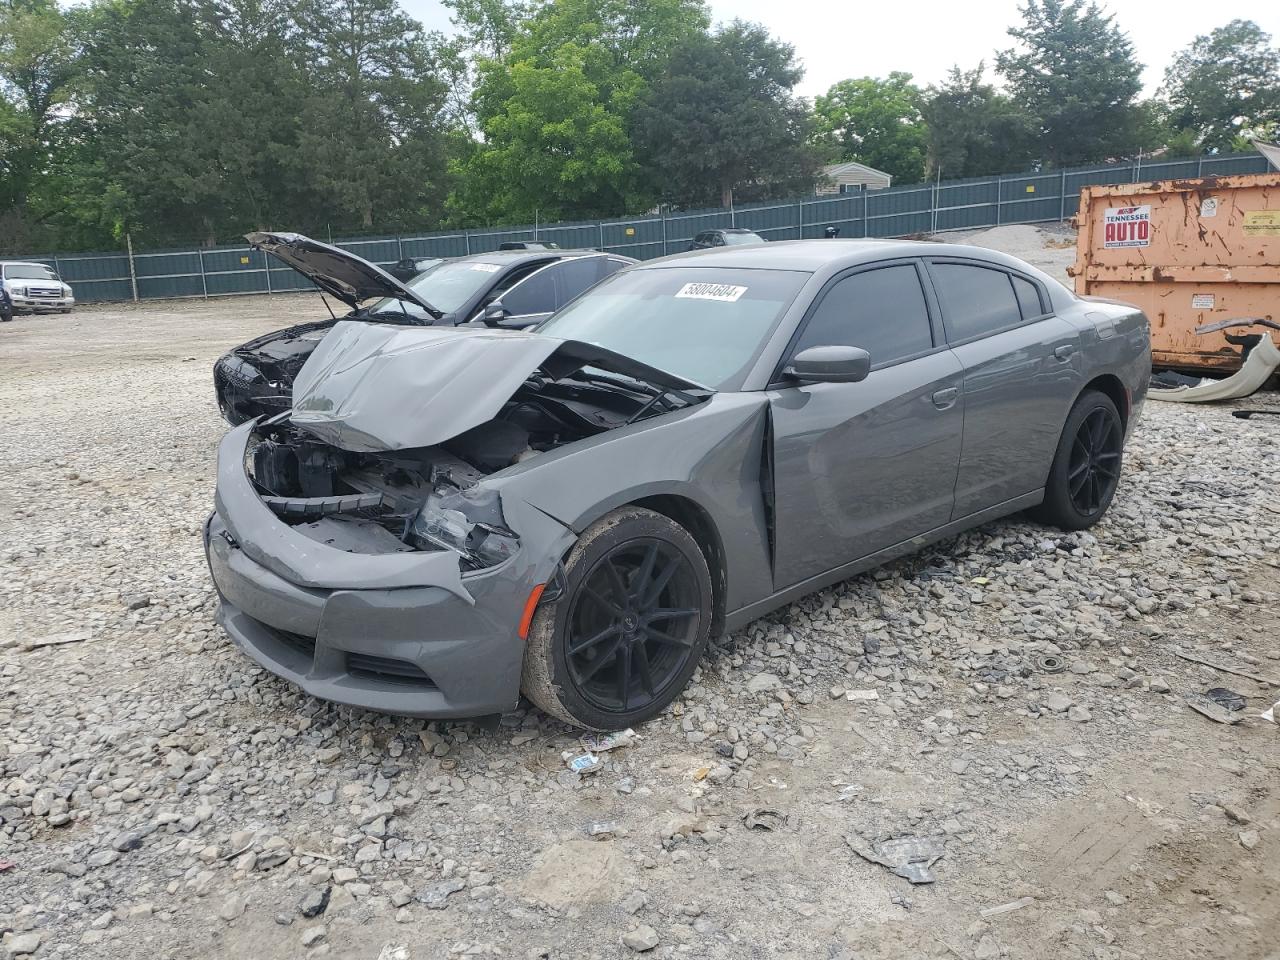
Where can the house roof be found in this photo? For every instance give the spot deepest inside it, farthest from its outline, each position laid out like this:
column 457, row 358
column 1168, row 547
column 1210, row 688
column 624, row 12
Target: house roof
column 852, row 166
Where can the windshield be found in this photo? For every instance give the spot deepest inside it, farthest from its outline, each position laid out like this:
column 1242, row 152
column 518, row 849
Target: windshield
column 447, row 286
column 28, row 271
column 738, row 239
column 706, row 324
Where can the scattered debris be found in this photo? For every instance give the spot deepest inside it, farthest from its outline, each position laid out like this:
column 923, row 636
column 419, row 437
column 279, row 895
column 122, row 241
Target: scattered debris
column 604, row 742
column 1211, row 709
column 6, row 865
column 602, row 829
column 1018, row 904
column 57, row 639
column 764, row 819
column 393, row 951
column 1048, row 663
column 582, row 763
column 1231, row 670
column 642, row 939
column 1270, row 714
column 898, row 900
column 909, row 857
column 1227, row 699
column 862, row 695
column 436, row 896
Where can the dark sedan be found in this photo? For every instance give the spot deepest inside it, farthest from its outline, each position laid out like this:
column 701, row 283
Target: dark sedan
column 503, row 289
column 448, row 516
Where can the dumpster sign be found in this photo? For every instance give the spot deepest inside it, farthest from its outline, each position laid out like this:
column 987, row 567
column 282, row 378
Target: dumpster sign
column 1127, row 227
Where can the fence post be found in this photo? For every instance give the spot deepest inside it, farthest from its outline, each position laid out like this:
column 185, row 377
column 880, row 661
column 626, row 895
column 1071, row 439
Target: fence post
column 266, row 261
column 662, row 212
column 466, row 236
column 57, row 269
column 866, row 217
column 601, row 225
column 400, row 247
column 800, row 204
column 1200, row 166
column 133, row 275
column 999, row 193
column 1062, row 196
column 204, row 282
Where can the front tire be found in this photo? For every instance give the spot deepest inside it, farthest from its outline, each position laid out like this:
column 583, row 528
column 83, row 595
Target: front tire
column 629, row 627
column 1086, row 466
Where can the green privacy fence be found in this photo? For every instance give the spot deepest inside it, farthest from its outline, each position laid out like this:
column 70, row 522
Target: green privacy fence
column 895, row 212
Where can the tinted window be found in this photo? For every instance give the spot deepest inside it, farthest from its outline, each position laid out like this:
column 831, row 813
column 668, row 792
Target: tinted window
column 578, row 275
column 537, row 294
column 883, row 311
column 975, row 301
column 1028, row 298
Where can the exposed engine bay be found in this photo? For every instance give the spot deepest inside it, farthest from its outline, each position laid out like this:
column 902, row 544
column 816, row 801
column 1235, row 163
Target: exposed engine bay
column 426, row 498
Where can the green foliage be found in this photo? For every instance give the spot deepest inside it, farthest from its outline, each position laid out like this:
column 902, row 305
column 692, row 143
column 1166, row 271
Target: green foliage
column 876, row 122
column 555, row 110
column 721, row 121
column 1224, row 86
column 1075, row 72
column 974, row 130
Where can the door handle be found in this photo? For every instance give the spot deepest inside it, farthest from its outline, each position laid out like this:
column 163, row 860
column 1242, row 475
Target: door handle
column 1064, row 352
column 944, row 399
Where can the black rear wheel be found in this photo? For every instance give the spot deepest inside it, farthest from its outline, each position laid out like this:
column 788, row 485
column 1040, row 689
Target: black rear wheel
column 1086, row 466
column 629, row 628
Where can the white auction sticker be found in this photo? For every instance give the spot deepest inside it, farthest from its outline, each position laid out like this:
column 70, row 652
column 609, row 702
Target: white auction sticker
column 724, row 292
column 487, row 267
column 1127, row 227
column 1202, row 301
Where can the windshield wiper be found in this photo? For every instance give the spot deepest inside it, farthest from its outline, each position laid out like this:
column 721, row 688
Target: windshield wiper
column 656, row 394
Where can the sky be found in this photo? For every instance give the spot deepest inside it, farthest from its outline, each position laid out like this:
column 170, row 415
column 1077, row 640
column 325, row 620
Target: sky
column 838, row 39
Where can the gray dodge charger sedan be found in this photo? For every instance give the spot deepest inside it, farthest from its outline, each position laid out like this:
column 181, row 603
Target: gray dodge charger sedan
column 448, row 516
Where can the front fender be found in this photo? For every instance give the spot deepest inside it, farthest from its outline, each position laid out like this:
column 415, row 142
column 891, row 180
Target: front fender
column 709, row 455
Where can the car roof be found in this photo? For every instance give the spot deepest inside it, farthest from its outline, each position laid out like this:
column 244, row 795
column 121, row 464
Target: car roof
column 517, row 257
column 23, row 263
column 812, row 256
column 732, row 230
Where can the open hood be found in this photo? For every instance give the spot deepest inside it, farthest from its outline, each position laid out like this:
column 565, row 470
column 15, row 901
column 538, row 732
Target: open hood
column 351, row 279
column 370, row 387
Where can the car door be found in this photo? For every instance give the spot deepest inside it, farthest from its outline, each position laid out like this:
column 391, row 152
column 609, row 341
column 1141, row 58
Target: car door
column 858, row 467
column 1021, row 372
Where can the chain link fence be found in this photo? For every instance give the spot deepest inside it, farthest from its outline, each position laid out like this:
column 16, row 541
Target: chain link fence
column 895, row 212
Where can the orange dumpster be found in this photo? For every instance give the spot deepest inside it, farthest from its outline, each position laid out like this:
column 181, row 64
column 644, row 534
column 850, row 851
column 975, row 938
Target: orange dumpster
column 1189, row 253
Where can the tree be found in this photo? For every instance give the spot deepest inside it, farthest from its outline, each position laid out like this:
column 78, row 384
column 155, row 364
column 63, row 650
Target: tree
column 555, row 110
column 973, row 130
column 38, row 73
column 1076, row 74
column 1224, row 86
column 371, row 141
column 722, row 120
column 876, row 122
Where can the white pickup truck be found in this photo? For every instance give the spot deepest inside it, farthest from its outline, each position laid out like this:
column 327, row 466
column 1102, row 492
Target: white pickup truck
column 34, row 288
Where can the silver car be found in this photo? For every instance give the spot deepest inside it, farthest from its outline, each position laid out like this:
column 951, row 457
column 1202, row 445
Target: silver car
column 448, row 516
column 34, row 287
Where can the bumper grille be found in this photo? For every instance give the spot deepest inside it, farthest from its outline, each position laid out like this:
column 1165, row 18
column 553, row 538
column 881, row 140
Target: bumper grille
column 386, row 670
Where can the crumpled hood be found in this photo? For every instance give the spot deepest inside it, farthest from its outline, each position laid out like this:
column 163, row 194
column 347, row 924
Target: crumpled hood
column 369, row 387
column 339, row 272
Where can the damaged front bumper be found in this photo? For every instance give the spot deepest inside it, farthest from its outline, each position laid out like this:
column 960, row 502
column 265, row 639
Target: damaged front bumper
column 403, row 633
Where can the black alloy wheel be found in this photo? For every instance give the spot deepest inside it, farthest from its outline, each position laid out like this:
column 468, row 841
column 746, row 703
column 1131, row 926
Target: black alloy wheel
column 1085, row 473
column 627, row 626
column 1095, row 461
column 633, row 625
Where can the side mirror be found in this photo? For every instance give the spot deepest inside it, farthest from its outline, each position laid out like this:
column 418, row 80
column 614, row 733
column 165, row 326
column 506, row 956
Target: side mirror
column 829, row 365
column 494, row 314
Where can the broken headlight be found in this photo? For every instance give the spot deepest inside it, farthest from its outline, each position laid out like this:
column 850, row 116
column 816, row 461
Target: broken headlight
column 471, row 524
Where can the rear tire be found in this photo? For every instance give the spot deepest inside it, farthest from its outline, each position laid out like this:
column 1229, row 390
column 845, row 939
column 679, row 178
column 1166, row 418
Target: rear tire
column 629, row 627
column 1086, row 466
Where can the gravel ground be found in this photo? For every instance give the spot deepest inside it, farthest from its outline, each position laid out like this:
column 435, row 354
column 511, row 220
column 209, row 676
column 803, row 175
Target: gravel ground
column 1051, row 247
column 161, row 797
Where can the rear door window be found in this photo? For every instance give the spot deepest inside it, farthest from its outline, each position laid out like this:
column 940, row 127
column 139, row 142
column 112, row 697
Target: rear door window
column 1028, row 295
column 976, row 301
column 537, row 293
column 883, row 311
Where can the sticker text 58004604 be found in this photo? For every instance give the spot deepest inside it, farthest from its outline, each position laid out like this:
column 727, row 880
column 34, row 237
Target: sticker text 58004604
column 726, row 292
